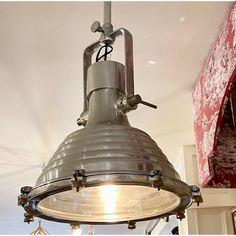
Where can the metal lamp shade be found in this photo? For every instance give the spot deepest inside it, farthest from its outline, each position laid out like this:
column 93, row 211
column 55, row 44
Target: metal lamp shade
column 120, row 173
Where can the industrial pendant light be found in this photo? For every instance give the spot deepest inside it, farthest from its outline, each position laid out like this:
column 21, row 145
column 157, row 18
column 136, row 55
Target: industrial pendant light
column 108, row 172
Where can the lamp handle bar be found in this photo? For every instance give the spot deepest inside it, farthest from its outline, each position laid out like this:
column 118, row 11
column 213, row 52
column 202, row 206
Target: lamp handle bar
column 129, row 68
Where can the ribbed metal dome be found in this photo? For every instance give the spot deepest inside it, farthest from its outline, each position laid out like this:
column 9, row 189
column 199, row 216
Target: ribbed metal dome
column 105, row 149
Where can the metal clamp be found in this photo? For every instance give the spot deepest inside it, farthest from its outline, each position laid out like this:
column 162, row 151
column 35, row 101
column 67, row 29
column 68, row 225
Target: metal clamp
column 131, row 225
column 107, row 27
column 180, row 215
column 157, row 179
column 196, row 194
column 28, row 218
column 126, row 104
column 23, row 197
column 79, row 180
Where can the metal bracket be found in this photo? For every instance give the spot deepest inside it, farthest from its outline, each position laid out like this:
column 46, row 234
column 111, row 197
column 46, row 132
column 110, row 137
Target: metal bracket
column 129, row 71
column 107, row 27
column 196, row 194
column 79, row 180
column 180, row 215
column 82, row 120
column 157, row 179
column 28, row 218
column 131, row 225
column 22, row 200
column 23, row 197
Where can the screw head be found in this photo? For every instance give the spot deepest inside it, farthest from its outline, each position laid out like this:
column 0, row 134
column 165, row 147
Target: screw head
column 131, row 225
column 180, row 215
column 195, row 188
column 96, row 27
column 26, row 190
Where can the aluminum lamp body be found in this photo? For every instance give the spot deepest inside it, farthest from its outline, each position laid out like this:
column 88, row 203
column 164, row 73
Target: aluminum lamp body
column 122, row 176
column 108, row 172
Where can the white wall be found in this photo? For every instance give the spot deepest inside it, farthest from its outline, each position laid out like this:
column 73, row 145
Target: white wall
column 213, row 216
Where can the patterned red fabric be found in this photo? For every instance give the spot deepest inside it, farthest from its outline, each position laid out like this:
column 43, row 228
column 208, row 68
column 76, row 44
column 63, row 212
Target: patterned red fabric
column 210, row 98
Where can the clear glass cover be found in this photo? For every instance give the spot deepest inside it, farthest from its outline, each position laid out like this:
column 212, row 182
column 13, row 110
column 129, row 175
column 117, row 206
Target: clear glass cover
column 109, row 203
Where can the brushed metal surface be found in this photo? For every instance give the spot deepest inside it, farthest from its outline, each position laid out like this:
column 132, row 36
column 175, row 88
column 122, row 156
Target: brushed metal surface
column 108, row 143
column 109, row 150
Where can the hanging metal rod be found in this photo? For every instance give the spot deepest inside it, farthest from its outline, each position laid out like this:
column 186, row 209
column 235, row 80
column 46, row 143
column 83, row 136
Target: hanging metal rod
column 107, row 13
column 107, row 26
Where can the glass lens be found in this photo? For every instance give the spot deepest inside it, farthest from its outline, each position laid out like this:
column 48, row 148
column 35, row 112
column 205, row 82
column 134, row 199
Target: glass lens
column 109, row 203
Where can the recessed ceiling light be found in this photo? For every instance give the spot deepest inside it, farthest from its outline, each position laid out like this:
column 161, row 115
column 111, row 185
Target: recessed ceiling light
column 182, row 19
column 151, row 62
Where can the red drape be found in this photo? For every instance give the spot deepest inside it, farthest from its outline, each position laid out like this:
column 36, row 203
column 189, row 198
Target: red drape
column 210, row 97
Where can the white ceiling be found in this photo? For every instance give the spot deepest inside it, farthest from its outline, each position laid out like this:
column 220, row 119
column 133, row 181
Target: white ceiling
column 41, row 46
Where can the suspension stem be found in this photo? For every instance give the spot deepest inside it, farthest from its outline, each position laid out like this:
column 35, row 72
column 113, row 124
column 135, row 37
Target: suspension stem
column 107, row 26
column 107, row 13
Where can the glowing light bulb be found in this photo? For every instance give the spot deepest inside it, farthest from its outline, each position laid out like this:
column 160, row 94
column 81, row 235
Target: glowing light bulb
column 76, row 230
column 109, row 197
